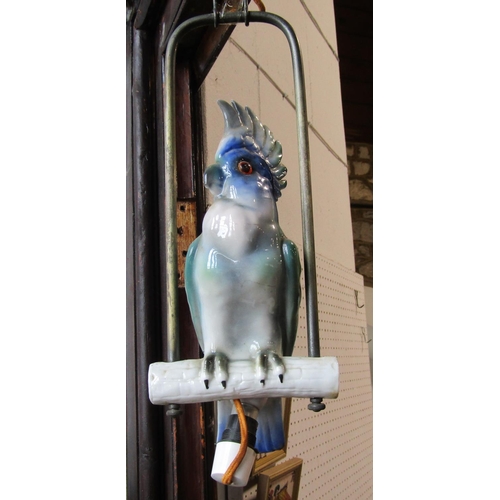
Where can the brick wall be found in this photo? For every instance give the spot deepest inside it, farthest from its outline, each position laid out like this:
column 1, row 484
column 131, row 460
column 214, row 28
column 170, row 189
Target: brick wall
column 360, row 161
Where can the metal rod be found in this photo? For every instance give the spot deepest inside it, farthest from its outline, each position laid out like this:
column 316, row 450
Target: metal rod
column 304, row 172
column 171, row 203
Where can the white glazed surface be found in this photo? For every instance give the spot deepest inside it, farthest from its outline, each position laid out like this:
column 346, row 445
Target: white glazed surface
column 304, row 377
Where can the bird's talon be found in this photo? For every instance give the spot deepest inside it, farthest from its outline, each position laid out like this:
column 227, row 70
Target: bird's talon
column 214, row 366
column 269, row 361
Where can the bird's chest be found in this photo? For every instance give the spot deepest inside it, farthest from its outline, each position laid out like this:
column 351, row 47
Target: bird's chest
column 236, row 231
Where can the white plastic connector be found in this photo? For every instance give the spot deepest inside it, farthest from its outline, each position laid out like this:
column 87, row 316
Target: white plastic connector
column 224, row 455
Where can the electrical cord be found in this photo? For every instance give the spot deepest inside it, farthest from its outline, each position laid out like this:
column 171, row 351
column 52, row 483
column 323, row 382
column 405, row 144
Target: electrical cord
column 227, row 478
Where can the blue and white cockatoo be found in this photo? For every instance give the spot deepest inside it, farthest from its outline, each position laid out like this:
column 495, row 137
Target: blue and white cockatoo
column 242, row 273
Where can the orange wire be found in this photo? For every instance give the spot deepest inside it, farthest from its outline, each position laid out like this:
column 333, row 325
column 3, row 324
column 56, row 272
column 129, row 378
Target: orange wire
column 227, row 478
column 260, row 5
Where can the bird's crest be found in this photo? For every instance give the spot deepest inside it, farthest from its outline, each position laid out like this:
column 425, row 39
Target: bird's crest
column 242, row 129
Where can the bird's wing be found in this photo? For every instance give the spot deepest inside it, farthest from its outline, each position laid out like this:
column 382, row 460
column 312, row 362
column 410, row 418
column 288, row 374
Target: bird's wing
column 292, row 293
column 192, row 291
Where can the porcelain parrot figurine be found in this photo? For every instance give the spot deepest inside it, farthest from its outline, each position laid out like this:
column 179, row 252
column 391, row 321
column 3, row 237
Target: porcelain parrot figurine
column 242, row 273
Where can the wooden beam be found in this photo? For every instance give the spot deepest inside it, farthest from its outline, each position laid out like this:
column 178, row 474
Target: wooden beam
column 211, row 45
column 144, row 422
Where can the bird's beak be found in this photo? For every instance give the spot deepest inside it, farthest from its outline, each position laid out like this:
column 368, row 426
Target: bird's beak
column 214, row 179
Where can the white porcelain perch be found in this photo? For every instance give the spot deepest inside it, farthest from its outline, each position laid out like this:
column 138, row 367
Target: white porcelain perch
column 180, row 382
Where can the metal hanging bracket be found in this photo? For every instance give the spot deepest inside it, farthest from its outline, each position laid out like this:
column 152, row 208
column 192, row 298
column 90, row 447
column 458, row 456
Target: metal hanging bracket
column 304, row 172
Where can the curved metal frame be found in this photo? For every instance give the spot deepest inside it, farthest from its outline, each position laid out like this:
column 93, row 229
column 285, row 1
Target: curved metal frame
column 304, row 172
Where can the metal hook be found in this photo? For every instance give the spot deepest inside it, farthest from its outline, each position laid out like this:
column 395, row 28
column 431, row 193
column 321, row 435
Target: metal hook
column 245, row 10
column 357, row 303
column 365, row 336
column 216, row 14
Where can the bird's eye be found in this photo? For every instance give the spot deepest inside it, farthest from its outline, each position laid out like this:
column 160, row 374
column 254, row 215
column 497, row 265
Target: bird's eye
column 245, row 168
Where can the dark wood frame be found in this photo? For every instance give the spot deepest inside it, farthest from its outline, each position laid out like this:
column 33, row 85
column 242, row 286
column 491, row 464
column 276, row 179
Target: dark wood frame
column 166, row 457
column 270, row 476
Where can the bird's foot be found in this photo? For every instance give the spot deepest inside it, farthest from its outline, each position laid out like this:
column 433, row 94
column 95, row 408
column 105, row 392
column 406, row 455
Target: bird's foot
column 268, row 361
column 214, row 366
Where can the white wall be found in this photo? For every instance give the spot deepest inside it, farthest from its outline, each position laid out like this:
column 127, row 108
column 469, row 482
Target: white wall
column 369, row 322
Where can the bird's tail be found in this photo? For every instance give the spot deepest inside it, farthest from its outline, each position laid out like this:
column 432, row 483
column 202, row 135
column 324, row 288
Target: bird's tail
column 270, row 432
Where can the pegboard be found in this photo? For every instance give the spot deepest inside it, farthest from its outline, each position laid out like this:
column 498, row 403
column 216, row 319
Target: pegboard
column 336, row 444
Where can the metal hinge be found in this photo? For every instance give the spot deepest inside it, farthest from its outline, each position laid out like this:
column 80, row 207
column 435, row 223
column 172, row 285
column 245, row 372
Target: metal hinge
column 186, row 233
